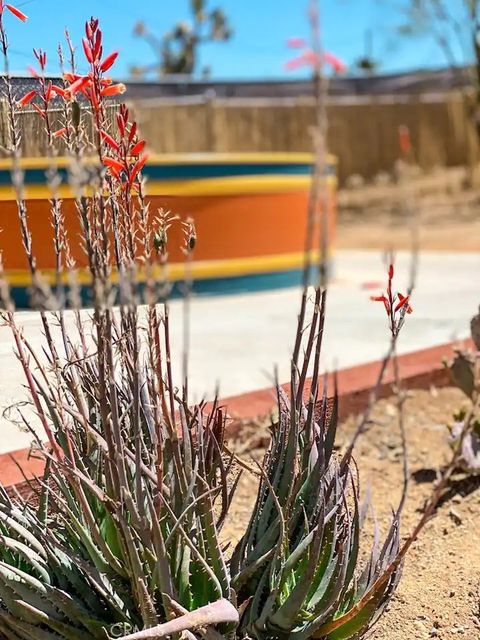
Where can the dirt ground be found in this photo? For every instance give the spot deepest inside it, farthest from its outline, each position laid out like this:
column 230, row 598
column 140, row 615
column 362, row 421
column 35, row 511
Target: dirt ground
column 448, row 214
column 439, row 594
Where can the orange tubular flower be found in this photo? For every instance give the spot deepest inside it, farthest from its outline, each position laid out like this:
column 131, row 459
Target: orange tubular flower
column 71, row 77
column 121, row 124
column 383, row 299
column 27, row 98
column 41, row 56
column 48, row 92
column 296, row 43
column 109, row 61
column 137, row 167
column 58, row 90
column 393, row 302
column 88, row 30
column 97, row 45
column 60, row 132
column 78, row 85
column 133, row 132
column 114, row 90
column 334, row 61
column 138, row 148
column 110, row 141
column 113, row 164
column 115, row 173
column 87, row 50
column 16, row 12
column 403, row 303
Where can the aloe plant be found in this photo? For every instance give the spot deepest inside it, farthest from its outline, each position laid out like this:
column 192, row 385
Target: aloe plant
column 124, row 529
column 297, row 566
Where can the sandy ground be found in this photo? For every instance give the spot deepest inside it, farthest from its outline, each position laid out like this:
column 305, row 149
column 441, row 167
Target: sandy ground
column 439, row 594
column 372, row 216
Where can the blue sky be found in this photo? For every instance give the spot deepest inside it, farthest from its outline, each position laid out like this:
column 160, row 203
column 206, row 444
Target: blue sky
column 261, row 29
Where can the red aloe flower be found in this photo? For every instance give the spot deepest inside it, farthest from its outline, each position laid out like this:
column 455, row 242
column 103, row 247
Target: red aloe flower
column 71, row 77
column 383, row 298
column 308, row 58
column 60, row 132
column 296, row 43
column 78, row 85
column 137, row 167
column 41, row 56
column 113, row 90
column 97, row 46
column 16, row 12
column 133, row 132
column 87, row 50
column 121, row 124
column 110, row 141
column 138, row 148
column 115, row 173
column 334, row 61
column 27, row 98
column 113, row 164
column 88, row 30
column 48, row 91
column 109, row 61
column 404, row 302
column 58, row 90
column 396, row 304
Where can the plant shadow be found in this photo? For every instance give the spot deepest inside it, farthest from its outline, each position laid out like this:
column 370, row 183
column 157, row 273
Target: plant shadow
column 463, row 486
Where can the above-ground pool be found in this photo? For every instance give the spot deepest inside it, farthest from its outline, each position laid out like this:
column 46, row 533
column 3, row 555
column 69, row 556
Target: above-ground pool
column 249, row 212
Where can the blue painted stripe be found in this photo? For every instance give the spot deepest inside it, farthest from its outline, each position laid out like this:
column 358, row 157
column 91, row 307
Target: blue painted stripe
column 189, row 171
column 255, row 282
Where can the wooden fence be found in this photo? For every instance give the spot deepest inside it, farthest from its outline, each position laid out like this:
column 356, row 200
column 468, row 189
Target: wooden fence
column 362, row 134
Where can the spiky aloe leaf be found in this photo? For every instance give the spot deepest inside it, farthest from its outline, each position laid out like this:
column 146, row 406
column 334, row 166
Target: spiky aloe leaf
column 221, row 611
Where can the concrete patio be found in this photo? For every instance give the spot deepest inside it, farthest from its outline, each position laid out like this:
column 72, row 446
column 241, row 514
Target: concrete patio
column 237, row 340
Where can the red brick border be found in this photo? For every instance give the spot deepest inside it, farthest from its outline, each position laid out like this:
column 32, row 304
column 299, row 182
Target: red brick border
column 419, row 370
column 12, row 465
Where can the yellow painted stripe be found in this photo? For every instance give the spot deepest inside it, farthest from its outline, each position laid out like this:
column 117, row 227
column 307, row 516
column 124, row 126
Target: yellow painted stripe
column 203, row 270
column 186, row 158
column 229, row 186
